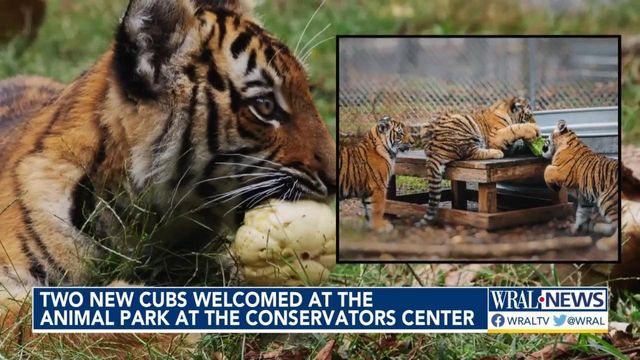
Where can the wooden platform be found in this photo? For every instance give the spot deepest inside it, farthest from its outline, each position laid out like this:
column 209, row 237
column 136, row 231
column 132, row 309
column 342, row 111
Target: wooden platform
column 491, row 213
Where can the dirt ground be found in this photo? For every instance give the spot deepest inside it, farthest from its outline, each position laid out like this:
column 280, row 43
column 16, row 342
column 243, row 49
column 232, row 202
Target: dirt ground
column 551, row 241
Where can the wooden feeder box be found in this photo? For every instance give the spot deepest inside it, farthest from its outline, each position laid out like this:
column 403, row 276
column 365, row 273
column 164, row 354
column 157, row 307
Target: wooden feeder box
column 495, row 210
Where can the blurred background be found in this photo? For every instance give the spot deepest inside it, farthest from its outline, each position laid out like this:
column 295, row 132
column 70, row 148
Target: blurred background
column 411, row 77
column 414, row 79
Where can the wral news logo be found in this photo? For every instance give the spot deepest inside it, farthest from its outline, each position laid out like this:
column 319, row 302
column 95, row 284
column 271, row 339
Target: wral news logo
column 548, row 299
column 548, row 309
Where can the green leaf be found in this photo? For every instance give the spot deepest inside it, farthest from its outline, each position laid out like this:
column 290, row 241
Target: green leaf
column 598, row 343
column 536, row 146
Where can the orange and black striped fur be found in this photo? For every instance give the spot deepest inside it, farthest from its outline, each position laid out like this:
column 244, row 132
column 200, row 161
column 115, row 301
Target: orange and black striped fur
column 593, row 176
column 195, row 109
column 483, row 134
column 19, row 98
column 365, row 169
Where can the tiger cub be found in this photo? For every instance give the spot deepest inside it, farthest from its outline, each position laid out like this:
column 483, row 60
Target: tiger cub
column 482, row 134
column 594, row 177
column 365, row 169
column 195, row 110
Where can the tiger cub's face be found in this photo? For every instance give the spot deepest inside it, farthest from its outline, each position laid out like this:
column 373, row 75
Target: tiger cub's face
column 557, row 139
column 239, row 120
column 396, row 134
column 520, row 111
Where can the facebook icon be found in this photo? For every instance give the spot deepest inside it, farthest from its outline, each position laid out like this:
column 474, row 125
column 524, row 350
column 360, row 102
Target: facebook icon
column 497, row 320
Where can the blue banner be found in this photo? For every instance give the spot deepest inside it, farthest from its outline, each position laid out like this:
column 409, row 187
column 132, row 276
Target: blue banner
column 307, row 309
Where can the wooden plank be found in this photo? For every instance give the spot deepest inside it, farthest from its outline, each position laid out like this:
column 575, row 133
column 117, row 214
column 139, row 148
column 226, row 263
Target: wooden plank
column 463, row 217
column 512, row 168
column 468, row 175
column 404, row 209
column 499, row 163
column 474, row 175
column 494, row 175
column 487, row 198
column 529, row 216
column 418, row 157
column 459, row 190
column 461, row 251
column 488, row 221
column 516, row 172
column 505, row 219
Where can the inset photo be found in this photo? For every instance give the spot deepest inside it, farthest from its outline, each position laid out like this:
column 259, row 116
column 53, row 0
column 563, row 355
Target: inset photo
column 481, row 149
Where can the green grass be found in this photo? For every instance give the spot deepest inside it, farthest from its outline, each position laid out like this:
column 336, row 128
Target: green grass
column 77, row 32
column 412, row 184
column 631, row 103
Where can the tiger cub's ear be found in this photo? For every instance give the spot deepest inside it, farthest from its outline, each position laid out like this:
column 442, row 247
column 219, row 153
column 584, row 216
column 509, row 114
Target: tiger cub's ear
column 384, row 124
column 242, row 7
column 561, row 126
column 150, row 33
column 516, row 103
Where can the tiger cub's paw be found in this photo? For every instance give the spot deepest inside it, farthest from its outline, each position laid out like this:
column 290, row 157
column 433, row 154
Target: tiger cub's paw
column 554, row 186
column 496, row 154
column 424, row 222
column 604, row 229
column 530, row 132
column 583, row 228
column 382, row 226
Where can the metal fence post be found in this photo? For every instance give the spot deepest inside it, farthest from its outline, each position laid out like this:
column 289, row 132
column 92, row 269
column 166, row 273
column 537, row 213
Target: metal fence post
column 532, row 45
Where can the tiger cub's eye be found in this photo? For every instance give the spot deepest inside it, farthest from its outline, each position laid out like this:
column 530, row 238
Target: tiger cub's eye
column 264, row 106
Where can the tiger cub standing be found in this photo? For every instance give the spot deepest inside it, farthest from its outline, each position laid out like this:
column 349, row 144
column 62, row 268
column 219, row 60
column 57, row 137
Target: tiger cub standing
column 365, row 169
column 593, row 176
column 483, row 134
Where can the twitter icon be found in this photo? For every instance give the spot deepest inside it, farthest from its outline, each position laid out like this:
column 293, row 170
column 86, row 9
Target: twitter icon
column 559, row 320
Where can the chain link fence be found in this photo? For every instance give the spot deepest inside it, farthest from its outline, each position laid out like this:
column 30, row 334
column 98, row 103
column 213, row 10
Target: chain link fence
column 413, row 79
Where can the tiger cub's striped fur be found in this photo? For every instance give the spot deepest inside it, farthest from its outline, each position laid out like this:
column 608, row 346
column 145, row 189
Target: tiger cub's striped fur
column 19, row 97
column 365, row 169
column 593, row 176
column 479, row 135
column 195, row 110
